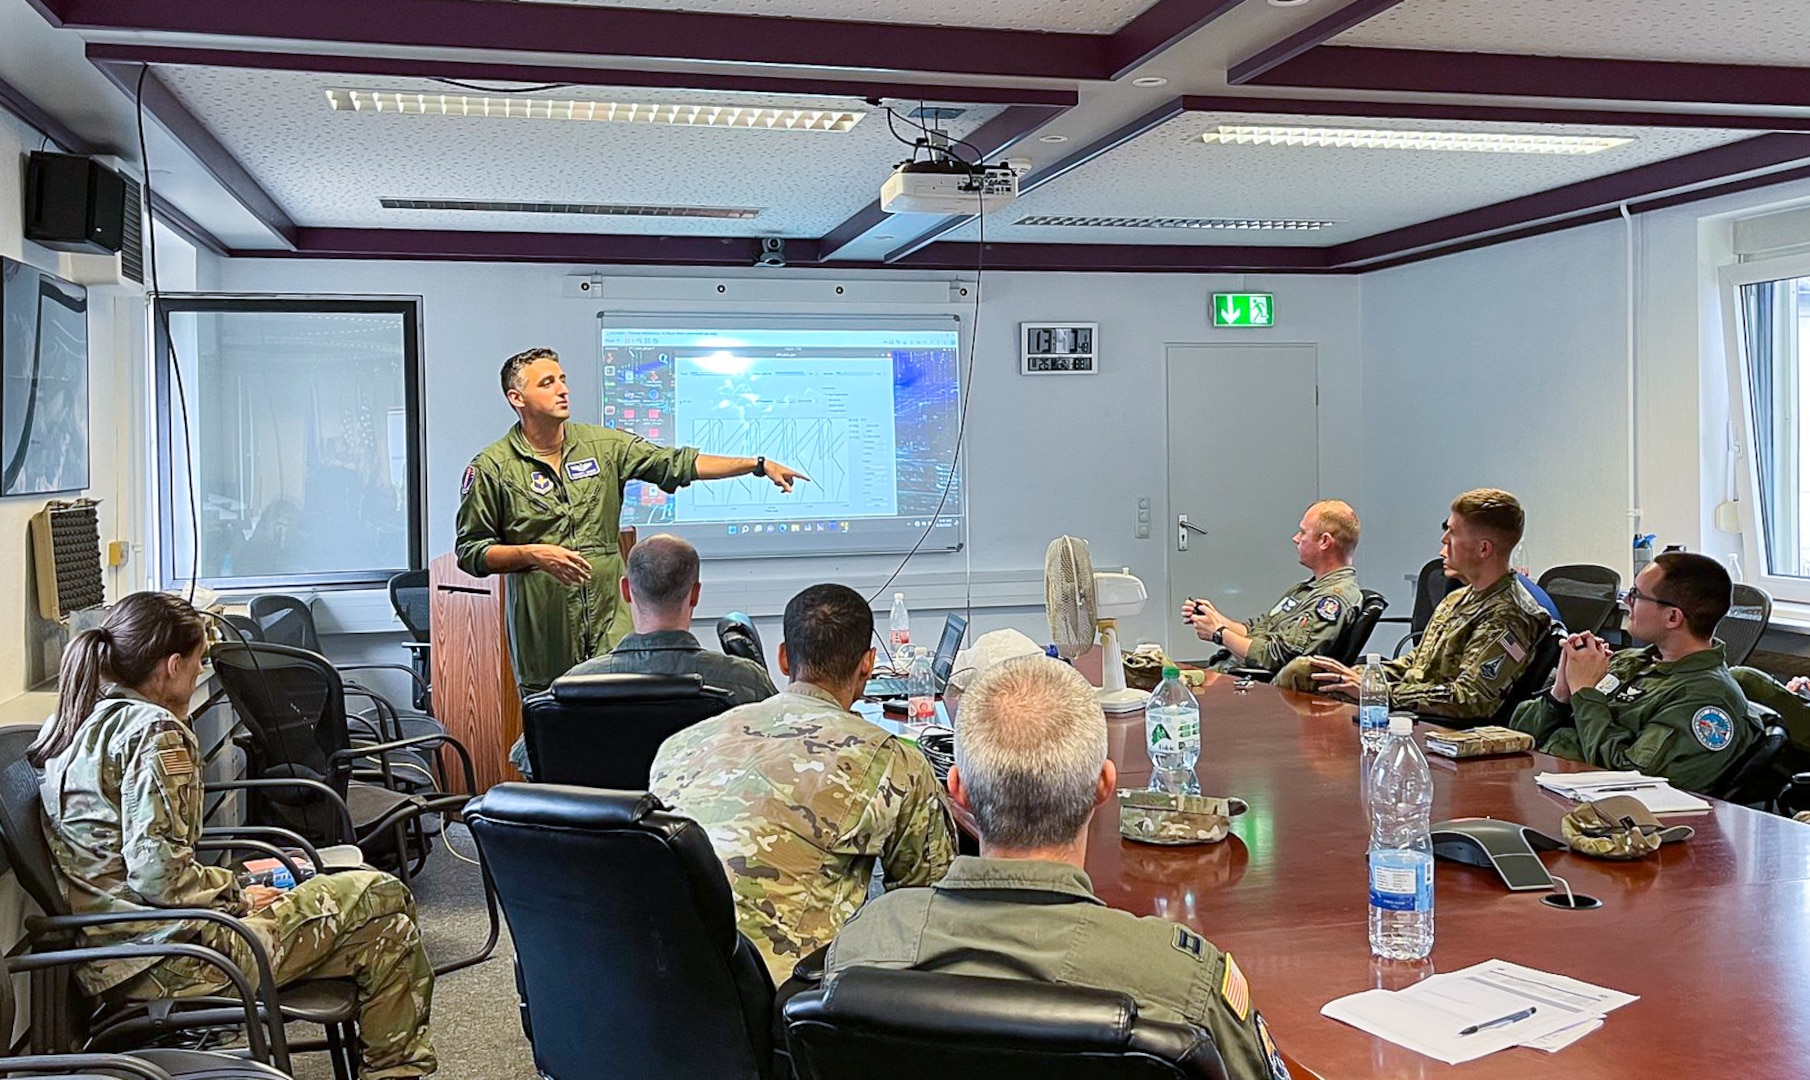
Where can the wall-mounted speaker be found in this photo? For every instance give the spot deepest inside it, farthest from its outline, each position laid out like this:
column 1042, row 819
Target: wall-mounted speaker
column 74, row 203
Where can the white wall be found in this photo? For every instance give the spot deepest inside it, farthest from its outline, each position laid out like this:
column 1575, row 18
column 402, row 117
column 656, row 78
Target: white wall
column 115, row 371
column 1045, row 455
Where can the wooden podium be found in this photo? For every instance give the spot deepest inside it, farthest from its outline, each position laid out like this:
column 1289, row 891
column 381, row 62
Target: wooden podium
column 475, row 693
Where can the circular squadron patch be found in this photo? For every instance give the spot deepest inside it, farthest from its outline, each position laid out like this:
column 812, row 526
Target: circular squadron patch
column 1713, row 728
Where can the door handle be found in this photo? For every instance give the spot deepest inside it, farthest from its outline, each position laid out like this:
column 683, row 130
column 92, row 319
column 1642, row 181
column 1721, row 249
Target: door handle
column 1182, row 528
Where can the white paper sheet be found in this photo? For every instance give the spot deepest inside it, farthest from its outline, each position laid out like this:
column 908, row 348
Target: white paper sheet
column 1655, row 792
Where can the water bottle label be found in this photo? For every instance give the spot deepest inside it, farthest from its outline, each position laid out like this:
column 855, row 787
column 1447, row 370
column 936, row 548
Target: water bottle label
column 901, row 637
column 1401, row 888
column 1374, row 718
column 1168, row 734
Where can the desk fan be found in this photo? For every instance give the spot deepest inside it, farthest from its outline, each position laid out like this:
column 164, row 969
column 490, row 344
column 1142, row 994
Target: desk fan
column 1083, row 602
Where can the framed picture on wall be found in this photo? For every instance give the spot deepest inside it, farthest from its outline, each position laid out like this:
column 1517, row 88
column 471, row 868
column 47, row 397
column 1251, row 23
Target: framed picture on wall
column 43, row 382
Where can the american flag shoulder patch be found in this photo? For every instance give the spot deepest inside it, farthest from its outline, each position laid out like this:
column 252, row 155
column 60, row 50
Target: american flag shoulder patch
column 1235, row 991
column 176, row 761
column 1513, row 648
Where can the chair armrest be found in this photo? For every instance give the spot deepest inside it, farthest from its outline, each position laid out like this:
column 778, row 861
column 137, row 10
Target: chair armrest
column 420, row 683
column 437, row 741
column 82, row 1065
column 255, row 1027
column 418, row 646
column 345, row 812
column 218, row 843
column 269, row 833
column 1396, row 618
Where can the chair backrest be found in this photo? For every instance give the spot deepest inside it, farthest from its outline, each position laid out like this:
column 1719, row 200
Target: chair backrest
column 736, row 635
column 603, row 730
column 1757, row 779
column 293, row 706
column 286, row 620
column 1429, row 589
column 242, row 627
column 409, row 596
column 1542, row 662
column 21, row 823
column 624, row 929
column 1348, row 647
column 1588, row 596
column 960, row 1027
column 1745, row 623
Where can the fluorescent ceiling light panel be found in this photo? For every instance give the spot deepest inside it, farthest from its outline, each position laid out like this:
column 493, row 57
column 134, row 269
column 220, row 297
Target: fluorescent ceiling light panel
column 1236, row 224
column 621, row 112
column 1482, row 142
column 505, row 206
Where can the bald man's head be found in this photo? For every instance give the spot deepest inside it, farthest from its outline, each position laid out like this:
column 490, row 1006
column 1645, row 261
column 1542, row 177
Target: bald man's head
column 1337, row 519
column 662, row 574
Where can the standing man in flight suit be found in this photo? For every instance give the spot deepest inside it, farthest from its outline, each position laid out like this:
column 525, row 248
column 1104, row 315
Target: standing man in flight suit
column 544, row 503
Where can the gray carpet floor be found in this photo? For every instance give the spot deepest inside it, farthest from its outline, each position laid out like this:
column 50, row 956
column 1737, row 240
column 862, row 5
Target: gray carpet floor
column 477, row 1033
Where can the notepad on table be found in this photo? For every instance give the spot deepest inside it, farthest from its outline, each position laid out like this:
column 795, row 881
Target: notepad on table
column 1655, row 792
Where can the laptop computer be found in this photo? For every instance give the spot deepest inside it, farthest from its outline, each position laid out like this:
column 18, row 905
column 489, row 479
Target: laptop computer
column 942, row 665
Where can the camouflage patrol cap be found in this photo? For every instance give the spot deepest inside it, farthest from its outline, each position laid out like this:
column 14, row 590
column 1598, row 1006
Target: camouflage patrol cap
column 1618, row 827
column 1160, row 817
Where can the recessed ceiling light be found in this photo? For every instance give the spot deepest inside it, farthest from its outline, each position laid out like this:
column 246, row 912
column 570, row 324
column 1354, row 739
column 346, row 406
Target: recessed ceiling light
column 714, row 116
column 1235, row 224
column 1052, row 138
column 1150, row 80
column 1483, row 142
column 1290, row 3
column 504, row 206
column 883, row 236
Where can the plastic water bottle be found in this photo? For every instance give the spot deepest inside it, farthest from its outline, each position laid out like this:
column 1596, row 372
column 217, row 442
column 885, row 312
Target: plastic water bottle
column 920, row 689
column 1172, row 724
column 1373, row 703
column 901, row 621
column 1401, row 847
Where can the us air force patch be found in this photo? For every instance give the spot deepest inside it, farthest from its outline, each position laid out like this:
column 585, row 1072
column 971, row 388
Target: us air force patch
column 1490, row 670
column 1713, row 728
column 1329, row 608
column 578, row 470
column 541, row 484
column 465, row 482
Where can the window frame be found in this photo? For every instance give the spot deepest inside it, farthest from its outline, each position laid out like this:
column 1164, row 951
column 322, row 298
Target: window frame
column 164, row 432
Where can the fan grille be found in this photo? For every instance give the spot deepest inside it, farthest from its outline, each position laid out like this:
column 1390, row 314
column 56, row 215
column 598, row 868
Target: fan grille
column 1068, row 595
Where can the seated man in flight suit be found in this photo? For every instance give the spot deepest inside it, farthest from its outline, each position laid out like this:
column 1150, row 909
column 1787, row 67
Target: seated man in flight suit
column 1308, row 617
column 1671, row 709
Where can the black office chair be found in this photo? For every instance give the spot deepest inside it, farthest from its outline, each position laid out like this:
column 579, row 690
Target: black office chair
column 736, row 636
column 960, row 1027
column 1745, row 623
column 603, row 731
column 629, row 961
column 61, row 1018
column 1588, row 597
column 1758, row 780
column 289, row 620
column 1429, row 589
column 409, row 597
column 1348, row 647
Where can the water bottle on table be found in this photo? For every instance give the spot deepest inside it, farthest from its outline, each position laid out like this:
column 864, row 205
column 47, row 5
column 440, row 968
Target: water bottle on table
column 920, row 688
column 1373, row 702
column 1400, row 803
column 1172, row 732
column 900, row 623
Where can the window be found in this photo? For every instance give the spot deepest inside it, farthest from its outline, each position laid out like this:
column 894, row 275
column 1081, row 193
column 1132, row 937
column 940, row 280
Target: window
column 304, row 426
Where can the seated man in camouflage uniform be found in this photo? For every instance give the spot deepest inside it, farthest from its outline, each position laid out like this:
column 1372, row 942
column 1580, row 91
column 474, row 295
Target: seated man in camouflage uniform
column 1031, row 766
column 661, row 591
column 1310, row 616
column 802, row 798
column 1478, row 641
column 1671, row 709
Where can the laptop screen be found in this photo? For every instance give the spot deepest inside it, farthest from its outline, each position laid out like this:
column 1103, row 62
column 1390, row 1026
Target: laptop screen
column 942, row 665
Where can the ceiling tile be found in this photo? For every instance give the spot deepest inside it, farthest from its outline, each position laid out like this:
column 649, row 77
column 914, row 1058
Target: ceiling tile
column 1170, row 172
column 1703, row 31
column 330, row 168
column 1073, row 16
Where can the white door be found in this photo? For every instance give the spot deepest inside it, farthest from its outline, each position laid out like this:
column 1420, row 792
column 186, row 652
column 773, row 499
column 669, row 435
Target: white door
column 1244, row 461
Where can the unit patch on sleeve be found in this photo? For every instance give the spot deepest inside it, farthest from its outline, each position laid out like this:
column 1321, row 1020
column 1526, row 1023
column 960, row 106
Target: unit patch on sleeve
column 465, row 482
column 1491, row 669
column 1329, row 608
column 1713, row 728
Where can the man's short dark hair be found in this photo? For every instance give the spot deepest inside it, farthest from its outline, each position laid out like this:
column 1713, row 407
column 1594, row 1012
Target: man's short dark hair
column 512, row 367
column 828, row 630
column 1699, row 585
column 661, row 571
column 1494, row 512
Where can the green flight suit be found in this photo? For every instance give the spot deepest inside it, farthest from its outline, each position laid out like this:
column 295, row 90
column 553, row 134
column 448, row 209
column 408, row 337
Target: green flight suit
column 1305, row 621
column 1037, row 920
column 509, row 496
column 1474, row 648
column 1685, row 720
column 1794, row 712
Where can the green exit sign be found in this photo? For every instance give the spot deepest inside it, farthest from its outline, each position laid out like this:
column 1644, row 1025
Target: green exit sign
column 1244, row 309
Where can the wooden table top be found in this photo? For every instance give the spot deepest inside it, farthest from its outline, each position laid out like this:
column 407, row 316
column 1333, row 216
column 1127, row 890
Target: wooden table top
column 1713, row 934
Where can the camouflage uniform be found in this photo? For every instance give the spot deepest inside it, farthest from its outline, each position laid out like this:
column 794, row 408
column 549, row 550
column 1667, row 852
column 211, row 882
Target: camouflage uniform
column 1030, row 919
column 122, row 811
column 801, row 799
column 1474, row 648
column 509, row 496
column 1306, row 620
column 1685, row 720
column 671, row 652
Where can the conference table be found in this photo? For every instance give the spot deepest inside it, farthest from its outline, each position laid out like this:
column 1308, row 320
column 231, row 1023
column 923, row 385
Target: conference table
column 1713, row 934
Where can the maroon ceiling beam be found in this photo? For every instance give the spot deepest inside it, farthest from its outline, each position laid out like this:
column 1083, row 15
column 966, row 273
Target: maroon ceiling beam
column 990, row 139
column 1513, row 114
column 1306, row 40
column 416, row 68
column 1160, row 27
column 1105, row 144
column 1347, row 67
column 1758, row 154
column 466, row 246
column 645, row 33
column 1120, row 258
column 185, row 127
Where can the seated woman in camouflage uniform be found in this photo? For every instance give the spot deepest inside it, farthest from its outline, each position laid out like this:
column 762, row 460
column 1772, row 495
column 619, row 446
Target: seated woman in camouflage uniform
column 122, row 793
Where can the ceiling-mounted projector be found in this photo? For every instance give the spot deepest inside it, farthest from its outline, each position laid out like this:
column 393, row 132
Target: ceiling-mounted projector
column 947, row 186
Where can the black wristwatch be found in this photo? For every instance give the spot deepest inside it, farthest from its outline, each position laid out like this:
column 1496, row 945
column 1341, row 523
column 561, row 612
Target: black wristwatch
column 1219, row 635
column 760, row 466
